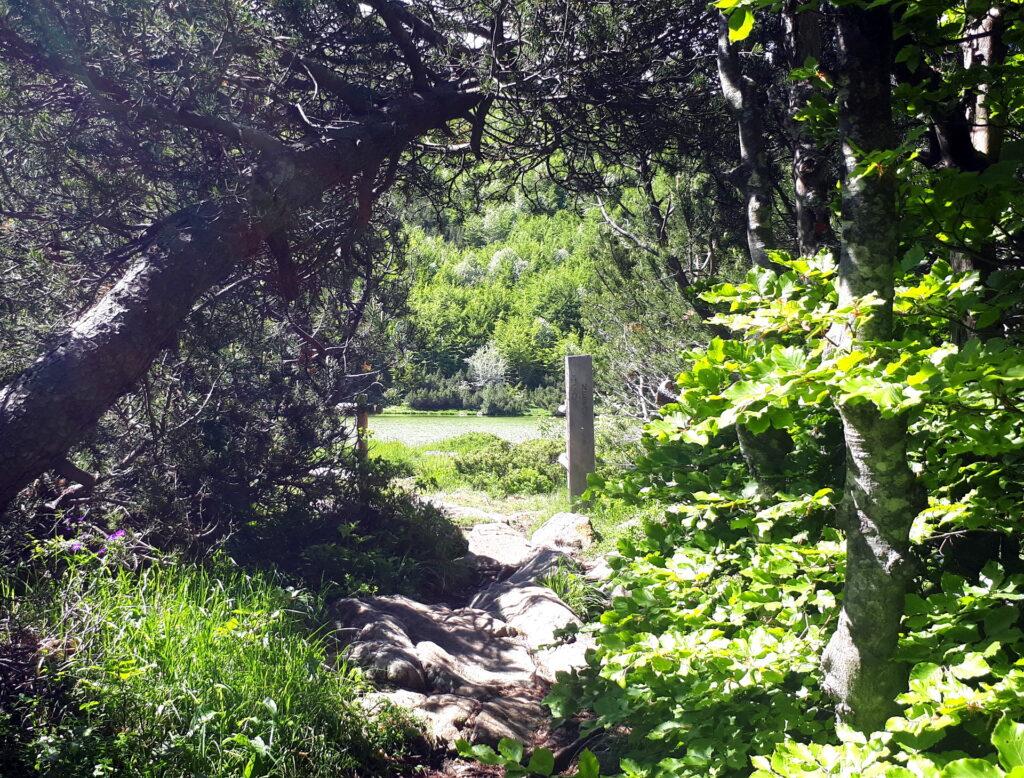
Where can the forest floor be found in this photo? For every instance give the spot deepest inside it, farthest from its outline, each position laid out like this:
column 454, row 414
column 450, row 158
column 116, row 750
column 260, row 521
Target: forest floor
column 478, row 666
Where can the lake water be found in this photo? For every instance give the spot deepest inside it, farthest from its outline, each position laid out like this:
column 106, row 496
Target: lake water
column 416, row 430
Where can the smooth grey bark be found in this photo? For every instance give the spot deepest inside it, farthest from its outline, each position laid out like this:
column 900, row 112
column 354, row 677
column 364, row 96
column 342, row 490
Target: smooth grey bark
column 745, row 106
column 765, row 454
column 985, row 47
column 50, row 406
column 811, row 179
column 881, row 495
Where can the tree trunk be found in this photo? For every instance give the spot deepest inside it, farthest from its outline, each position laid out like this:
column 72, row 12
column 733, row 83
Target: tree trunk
column 51, row 405
column 881, row 496
column 985, row 47
column 811, row 179
column 56, row 401
column 743, row 102
column 766, row 453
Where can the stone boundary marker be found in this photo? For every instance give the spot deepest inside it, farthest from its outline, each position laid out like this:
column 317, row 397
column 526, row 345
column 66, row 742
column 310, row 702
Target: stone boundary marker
column 579, row 422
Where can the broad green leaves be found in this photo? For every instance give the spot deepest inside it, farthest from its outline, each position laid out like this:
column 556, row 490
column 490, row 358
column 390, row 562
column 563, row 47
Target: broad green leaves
column 510, row 756
column 1008, row 738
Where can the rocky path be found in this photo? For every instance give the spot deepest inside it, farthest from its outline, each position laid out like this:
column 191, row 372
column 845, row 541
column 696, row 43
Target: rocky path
column 478, row 671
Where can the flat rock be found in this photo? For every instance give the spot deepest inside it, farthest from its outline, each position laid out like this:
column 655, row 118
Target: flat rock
column 507, row 547
column 433, row 648
column 478, row 668
column 566, row 531
column 467, row 514
column 400, row 698
column 518, row 718
column 475, row 672
column 447, row 715
column 534, row 611
column 564, row 658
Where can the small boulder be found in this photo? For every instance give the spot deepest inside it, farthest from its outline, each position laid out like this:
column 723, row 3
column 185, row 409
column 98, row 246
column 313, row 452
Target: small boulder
column 565, row 531
column 564, row 658
column 543, row 562
column 499, row 542
column 599, row 571
column 400, row 698
column 534, row 611
column 386, row 663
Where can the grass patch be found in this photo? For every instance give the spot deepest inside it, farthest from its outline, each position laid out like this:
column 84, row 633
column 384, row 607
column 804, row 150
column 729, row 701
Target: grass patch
column 479, row 461
column 176, row 670
column 405, row 410
column 583, row 597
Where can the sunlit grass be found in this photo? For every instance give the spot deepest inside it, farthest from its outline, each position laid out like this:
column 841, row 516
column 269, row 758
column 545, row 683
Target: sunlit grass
column 175, row 670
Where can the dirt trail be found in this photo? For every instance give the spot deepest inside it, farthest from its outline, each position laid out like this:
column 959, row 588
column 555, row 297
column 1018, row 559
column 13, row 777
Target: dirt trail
column 479, row 671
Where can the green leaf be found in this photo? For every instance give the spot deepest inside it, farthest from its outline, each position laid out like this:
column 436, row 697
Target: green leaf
column 741, row 22
column 971, row 768
column 542, row 762
column 588, row 766
column 481, row 753
column 511, row 749
column 1008, row 738
column 973, row 666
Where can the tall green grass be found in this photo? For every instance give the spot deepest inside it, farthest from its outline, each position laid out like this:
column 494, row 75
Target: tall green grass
column 179, row 671
column 479, row 461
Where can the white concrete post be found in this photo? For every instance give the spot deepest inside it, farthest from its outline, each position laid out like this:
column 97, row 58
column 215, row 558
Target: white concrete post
column 579, row 421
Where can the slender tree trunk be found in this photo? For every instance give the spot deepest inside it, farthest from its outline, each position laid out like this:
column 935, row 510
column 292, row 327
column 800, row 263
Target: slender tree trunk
column 811, row 179
column 985, row 47
column 741, row 96
column 881, row 496
column 766, row 453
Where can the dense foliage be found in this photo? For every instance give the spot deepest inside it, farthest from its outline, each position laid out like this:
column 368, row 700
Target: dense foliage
column 710, row 652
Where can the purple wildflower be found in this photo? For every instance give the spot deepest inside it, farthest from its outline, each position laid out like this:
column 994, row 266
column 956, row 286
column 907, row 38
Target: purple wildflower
column 75, row 546
column 116, row 535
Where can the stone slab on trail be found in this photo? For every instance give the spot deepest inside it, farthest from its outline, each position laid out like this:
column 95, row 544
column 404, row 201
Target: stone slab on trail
column 536, row 613
column 465, row 672
column 476, row 672
column 565, row 531
column 497, row 545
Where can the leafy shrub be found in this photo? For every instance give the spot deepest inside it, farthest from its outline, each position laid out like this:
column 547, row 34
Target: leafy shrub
column 177, row 670
column 502, row 400
column 439, row 393
column 530, row 467
column 510, row 756
column 708, row 657
column 487, row 367
column 385, row 541
column 548, row 398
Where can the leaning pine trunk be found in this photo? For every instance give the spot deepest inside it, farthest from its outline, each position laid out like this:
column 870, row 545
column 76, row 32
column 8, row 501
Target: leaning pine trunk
column 881, row 496
column 48, row 408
